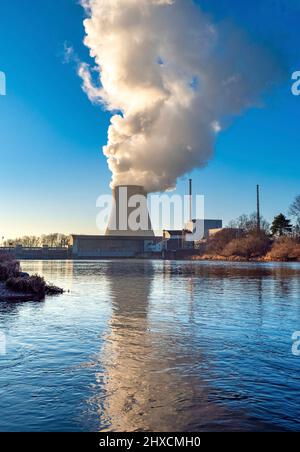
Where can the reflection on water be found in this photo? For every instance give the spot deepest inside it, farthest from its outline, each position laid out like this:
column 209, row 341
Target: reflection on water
column 148, row 374
column 154, row 346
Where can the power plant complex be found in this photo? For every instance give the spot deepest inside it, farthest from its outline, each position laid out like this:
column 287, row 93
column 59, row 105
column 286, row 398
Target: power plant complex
column 129, row 231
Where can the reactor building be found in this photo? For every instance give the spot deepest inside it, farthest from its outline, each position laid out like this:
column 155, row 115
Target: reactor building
column 129, row 232
column 122, row 238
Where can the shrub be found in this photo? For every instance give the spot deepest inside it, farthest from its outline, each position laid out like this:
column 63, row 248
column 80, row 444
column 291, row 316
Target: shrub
column 253, row 246
column 5, row 258
column 16, row 281
column 53, row 290
column 35, row 285
column 220, row 240
column 8, row 268
column 286, row 248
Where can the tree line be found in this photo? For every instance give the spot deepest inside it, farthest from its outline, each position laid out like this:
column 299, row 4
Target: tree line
column 55, row 240
column 280, row 226
column 245, row 239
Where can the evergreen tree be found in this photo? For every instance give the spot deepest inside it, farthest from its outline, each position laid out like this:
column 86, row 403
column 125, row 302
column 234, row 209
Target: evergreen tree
column 281, row 225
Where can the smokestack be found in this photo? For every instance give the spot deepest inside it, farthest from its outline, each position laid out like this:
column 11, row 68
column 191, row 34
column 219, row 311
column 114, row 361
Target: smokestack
column 191, row 198
column 258, row 208
column 130, row 216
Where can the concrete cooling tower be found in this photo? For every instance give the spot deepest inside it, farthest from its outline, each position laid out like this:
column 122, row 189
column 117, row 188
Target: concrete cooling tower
column 130, row 216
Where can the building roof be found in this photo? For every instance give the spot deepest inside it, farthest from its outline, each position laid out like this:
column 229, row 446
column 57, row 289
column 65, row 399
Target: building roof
column 209, row 220
column 110, row 237
column 173, row 233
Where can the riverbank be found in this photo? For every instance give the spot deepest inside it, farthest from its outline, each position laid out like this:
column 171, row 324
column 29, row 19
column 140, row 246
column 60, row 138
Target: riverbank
column 230, row 245
column 11, row 296
column 18, row 286
column 240, row 259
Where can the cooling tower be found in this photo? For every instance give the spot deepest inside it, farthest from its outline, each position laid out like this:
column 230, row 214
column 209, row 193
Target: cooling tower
column 130, row 216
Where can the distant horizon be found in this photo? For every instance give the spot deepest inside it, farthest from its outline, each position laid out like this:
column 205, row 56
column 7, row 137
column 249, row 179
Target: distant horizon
column 95, row 231
column 156, row 231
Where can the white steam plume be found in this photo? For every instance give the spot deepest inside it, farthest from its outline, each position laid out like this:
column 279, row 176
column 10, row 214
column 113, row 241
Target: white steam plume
column 173, row 79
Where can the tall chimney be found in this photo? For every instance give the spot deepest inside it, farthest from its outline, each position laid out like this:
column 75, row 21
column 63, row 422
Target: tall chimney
column 191, row 199
column 130, row 216
column 258, row 208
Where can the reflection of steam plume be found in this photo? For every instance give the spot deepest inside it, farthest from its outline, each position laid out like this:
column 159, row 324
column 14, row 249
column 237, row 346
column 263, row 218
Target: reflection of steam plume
column 175, row 78
column 128, row 346
column 147, row 385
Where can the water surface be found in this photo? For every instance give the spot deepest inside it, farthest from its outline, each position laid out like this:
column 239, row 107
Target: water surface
column 154, row 346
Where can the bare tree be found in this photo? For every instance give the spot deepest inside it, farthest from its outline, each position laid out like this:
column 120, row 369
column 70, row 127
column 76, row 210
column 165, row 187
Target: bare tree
column 26, row 241
column 295, row 209
column 248, row 223
column 55, row 240
column 64, row 240
column 52, row 240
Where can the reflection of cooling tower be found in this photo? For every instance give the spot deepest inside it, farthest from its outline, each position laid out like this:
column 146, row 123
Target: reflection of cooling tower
column 130, row 216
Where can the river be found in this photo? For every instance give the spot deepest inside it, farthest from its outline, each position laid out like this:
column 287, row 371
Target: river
column 153, row 346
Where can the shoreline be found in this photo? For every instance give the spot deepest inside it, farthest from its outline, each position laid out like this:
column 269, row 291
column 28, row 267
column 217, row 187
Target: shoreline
column 9, row 296
column 17, row 286
column 187, row 258
column 262, row 260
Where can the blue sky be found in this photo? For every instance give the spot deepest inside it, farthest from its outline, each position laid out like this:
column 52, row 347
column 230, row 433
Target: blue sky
column 52, row 167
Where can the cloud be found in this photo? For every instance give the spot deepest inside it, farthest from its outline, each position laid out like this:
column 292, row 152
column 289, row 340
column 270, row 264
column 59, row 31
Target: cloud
column 175, row 79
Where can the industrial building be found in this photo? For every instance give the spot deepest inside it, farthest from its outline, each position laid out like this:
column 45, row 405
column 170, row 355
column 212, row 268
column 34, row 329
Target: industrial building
column 93, row 247
column 207, row 227
column 121, row 241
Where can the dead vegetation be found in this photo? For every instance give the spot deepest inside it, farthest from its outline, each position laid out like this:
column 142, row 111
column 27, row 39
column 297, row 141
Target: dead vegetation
column 8, row 267
column 18, row 282
column 233, row 244
column 285, row 249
